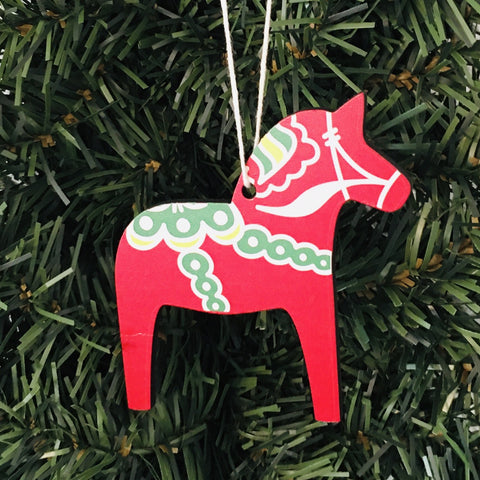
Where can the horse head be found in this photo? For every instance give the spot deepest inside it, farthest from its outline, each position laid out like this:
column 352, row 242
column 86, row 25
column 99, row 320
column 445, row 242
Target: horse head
column 315, row 159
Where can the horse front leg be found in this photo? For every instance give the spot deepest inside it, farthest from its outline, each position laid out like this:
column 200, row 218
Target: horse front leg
column 138, row 302
column 314, row 320
column 137, row 323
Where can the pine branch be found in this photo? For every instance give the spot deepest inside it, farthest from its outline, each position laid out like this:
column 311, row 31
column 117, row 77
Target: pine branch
column 107, row 109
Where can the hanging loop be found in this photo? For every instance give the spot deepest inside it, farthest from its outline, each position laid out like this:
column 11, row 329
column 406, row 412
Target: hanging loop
column 233, row 83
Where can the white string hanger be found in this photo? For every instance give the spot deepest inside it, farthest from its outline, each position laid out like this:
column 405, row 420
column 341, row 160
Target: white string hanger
column 233, row 83
column 263, row 71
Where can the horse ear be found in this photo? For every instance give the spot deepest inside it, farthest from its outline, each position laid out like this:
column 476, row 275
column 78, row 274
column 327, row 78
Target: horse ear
column 353, row 111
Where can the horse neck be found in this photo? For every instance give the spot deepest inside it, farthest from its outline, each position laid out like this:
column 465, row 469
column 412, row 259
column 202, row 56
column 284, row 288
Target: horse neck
column 317, row 228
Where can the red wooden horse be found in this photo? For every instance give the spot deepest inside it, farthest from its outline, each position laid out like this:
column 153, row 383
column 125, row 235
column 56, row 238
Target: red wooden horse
column 270, row 251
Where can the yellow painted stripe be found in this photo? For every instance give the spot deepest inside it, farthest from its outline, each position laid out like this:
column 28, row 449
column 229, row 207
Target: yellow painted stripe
column 137, row 241
column 184, row 244
column 274, row 151
column 230, row 235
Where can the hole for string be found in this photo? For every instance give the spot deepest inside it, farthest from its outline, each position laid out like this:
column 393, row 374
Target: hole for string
column 249, row 192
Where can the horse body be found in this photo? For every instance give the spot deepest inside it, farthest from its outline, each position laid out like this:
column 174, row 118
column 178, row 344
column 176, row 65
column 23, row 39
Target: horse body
column 270, row 251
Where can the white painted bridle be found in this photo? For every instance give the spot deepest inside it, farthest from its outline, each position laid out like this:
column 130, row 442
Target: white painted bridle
column 333, row 138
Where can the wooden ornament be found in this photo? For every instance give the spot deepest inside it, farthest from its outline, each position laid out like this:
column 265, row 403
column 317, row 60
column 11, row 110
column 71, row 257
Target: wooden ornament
column 267, row 252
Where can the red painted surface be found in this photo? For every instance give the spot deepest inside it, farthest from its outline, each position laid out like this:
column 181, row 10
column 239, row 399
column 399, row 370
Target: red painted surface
column 305, row 210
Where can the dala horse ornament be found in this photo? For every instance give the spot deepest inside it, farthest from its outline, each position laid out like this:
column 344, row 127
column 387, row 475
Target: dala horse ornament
column 270, row 251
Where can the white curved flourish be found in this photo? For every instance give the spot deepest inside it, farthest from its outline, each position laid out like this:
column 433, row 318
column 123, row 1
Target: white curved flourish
column 314, row 198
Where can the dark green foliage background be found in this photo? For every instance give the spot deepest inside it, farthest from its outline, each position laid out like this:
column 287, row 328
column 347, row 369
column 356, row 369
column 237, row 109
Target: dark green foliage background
column 232, row 397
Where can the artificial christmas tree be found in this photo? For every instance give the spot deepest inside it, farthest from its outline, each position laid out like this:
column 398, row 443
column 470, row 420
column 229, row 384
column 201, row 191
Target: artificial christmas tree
column 110, row 108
